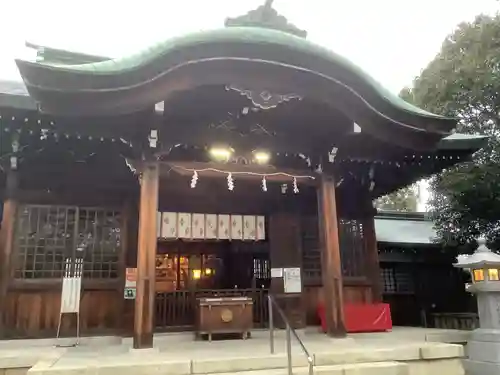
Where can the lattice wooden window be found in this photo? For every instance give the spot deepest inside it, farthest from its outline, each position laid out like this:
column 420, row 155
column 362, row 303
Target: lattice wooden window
column 397, row 280
column 261, row 269
column 388, row 280
column 352, row 248
column 404, row 281
column 311, row 251
column 47, row 235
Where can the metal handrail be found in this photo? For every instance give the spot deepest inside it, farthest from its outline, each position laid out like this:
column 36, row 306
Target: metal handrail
column 289, row 331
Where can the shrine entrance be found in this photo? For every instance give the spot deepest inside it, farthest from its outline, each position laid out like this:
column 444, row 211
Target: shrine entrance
column 213, row 242
column 188, row 270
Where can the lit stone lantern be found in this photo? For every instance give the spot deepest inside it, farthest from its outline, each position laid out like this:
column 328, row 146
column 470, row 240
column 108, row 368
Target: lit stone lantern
column 484, row 344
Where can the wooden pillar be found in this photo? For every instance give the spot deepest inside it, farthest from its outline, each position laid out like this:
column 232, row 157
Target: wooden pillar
column 146, row 254
column 372, row 264
column 286, row 252
column 7, row 229
column 125, row 318
column 330, row 259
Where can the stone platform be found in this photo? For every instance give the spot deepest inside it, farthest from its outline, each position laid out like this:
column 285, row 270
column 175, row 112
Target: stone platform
column 405, row 351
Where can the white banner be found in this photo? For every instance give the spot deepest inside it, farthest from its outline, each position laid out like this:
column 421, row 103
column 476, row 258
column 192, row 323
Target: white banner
column 71, row 287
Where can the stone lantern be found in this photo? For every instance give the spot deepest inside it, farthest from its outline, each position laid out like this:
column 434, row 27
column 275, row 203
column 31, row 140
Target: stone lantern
column 484, row 343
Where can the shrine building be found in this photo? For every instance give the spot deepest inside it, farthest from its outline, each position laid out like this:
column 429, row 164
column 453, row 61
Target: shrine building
column 218, row 163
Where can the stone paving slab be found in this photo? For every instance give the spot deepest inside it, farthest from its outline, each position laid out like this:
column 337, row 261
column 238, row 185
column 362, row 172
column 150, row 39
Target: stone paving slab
column 378, row 368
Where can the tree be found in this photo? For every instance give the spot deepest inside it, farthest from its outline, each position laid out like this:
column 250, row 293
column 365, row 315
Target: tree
column 463, row 81
column 402, row 200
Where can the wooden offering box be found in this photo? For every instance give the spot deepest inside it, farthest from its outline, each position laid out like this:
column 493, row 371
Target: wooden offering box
column 224, row 315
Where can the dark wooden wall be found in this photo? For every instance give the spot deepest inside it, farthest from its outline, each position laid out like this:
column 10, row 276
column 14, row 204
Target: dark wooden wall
column 31, row 308
column 35, row 313
column 422, row 281
column 361, row 280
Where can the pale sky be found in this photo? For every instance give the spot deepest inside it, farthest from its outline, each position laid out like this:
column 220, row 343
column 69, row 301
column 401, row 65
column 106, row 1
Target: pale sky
column 390, row 39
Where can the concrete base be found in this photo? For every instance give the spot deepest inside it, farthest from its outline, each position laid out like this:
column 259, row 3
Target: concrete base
column 144, row 351
column 483, row 352
column 436, row 367
column 63, row 342
column 14, row 371
column 481, row 368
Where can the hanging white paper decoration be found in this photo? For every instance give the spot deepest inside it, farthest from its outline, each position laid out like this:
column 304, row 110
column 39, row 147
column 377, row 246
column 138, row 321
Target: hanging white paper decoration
column 332, row 154
column 44, row 134
column 194, row 179
column 230, row 182
column 371, row 172
column 295, row 187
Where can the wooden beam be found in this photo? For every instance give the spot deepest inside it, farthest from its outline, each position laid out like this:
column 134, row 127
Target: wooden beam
column 146, row 253
column 330, row 256
column 373, row 264
column 7, row 229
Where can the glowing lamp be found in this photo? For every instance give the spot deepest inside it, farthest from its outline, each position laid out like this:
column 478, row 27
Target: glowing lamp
column 485, row 274
column 261, row 157
column 196, row 274
column 493, row 274
column 478, row 275
column 220, row 153
column 484, row 265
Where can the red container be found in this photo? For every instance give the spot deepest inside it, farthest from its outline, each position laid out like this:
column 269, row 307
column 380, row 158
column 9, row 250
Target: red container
column 363, row 317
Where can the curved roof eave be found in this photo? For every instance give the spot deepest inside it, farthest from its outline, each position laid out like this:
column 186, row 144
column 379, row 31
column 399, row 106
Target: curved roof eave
column 57, row 55
column 463, row 142
column 116, row 76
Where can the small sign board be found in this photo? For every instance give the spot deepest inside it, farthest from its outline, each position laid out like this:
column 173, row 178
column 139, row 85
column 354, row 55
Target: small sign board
column 292, row 280
column 130, row 283
column 276, row 272
column 129, row 293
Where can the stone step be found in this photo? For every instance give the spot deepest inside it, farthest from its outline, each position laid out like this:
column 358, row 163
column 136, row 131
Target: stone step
column 400, row 359
column 330, row 358
column 368, row 368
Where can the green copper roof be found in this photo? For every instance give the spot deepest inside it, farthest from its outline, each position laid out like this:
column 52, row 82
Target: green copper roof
column 255, row 35
column 267, row 17
column 59, row 56
column 401, row 229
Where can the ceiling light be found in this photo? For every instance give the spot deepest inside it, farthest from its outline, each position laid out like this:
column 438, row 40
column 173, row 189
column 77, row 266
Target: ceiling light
column 221, row 153
column 262, row 157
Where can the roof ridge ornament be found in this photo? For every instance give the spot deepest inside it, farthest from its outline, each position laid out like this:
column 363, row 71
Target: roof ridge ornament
column 261, row 98
column 265, row 16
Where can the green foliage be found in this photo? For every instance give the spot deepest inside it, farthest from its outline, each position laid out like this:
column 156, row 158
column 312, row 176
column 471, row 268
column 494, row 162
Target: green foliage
column 402, row 200
column 464, row 81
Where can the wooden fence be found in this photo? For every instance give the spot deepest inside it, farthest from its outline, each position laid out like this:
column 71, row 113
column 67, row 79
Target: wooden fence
column 464, row 321
column 176, row 310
